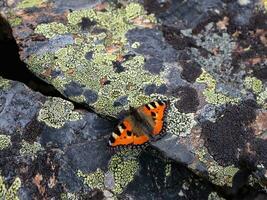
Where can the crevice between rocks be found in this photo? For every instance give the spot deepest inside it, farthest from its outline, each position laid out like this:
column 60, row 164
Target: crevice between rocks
column 13, row 68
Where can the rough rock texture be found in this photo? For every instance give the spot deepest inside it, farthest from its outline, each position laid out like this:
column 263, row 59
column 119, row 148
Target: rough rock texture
column 208, row 58
column 72, row 160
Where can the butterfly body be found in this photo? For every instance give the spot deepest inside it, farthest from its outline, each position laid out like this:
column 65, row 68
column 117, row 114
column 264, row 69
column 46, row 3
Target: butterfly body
column 141, row 125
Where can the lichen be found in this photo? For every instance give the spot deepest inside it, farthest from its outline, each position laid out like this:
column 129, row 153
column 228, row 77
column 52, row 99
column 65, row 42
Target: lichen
column 214, row 196
column 4, row 83
column 73, row 65
column 218, row 175
column 222, row 175
column 69, row 196
column 178, row 123
column 116, row 21
column 30, row 3
column 51, row 30
column 261, row 98
column 123, row 169
column 56, row 112
column 28, row 149
column 93, row 180
column 254, row 84
column 14, row 21
column 11, row 192
column 210, row 93
column 5, row 141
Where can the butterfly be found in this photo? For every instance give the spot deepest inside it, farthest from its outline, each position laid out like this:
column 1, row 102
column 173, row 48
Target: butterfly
column 143, row 124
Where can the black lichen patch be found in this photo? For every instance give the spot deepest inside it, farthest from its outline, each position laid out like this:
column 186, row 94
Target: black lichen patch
column 152, row 44
column 162, row 89
column 91, row 96
column 117, row 66
column 191, row 71
column 229, row 135
column 188, row 99
column 55, row 73
column 86, row 23
column 154, row 66
column 152, row 88
column 176, row 39
column 156, row 6
column 32, row 130
column 89, row 55
column 73, row 89
column 121, row 101
column 261, row 73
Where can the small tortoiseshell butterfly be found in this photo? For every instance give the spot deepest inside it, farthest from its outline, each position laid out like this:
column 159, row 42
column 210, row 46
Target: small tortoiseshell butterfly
column 142, row 124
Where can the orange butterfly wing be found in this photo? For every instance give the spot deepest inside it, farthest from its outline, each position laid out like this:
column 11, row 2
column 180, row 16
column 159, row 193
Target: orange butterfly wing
column 156, row 110
column 123, row 135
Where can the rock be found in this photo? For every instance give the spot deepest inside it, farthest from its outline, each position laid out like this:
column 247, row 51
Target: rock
column 198, row 55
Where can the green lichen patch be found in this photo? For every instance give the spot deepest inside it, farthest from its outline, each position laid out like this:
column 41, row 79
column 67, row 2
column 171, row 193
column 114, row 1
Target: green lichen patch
column 116, row 21
column 5, row 141
column 218, row 174
column 262, row 98
column 222, row 175
column 210, row 93
column 30, row 3
column 214, row 196
column 4, row 83
column 93, row 180
column 56, row 112
column 74, row 64
column 253, row 84
column 178, row 123
column 123, row 170
column 11, row 192
column 51, row 30
column 28, row 149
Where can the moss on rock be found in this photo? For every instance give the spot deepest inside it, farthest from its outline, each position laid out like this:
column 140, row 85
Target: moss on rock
column 56, row 112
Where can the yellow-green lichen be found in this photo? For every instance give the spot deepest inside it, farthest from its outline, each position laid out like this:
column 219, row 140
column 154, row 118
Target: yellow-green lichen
column 116, row 21
column 14, row 21
column 73, row 65
column 218, row 174
column 51, row 30
column 261, row 98
column 4, row 83
column 123, row 170
column 93, row 180
column 210, row 93
column 178, row 123
column 5, row 141
column 56, row 112
column 254, row 84
column 28, row 149
column 69, row 196
column 30, row 3
column 11, row 192
column 214, row 196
